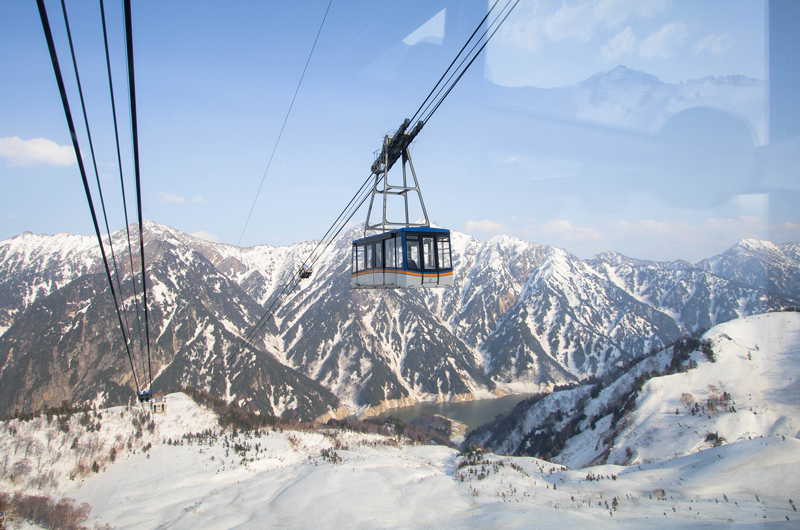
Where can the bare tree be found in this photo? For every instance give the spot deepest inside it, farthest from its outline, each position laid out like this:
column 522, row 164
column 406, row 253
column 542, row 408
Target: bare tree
column 21, row 468
column 49, row 434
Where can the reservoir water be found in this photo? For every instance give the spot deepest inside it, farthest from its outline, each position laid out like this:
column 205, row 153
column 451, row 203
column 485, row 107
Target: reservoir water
column 471, row 413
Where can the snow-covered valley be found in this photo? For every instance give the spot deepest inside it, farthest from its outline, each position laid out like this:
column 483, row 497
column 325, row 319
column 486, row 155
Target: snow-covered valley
column 181, row 470
column 387, row 486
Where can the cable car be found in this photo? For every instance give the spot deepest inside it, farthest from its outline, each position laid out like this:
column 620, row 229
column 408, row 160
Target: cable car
column 407, row 257
column 159, row 405
column 402, row 254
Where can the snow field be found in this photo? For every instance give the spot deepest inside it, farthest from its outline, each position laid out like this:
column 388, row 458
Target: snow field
column 757, row 365
column 42, row 457
column 336, row 479
column 292, row 485
column 192, row 475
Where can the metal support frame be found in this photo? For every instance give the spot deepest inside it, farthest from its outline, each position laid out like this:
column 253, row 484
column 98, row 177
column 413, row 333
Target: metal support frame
column 392, row 147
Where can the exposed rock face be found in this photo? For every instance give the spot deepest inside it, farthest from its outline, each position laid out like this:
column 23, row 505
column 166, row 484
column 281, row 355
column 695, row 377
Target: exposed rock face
column 521, row 317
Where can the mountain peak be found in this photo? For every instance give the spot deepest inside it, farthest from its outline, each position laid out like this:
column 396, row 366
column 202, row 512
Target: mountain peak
column 755, row 245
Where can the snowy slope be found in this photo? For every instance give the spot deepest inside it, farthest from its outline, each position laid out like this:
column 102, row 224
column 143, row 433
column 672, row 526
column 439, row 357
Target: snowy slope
column 760, row 264
column 657, row 409
column 758, row 365
column 33, row 265
column 336, row 479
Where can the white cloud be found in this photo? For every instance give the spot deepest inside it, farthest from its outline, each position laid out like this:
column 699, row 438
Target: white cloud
column 715, row 44
column 205, row 236
column 571, row 22
column 785, row 232
column 555, row 20
column 663, row 240
column 166, row 197
column 664, row 42
column 652, row 229
column 616, row 12
column 199, row 198
column 36, row 151
column 486, row 227
column 624, row 43
column 510, row 160
column 522, row 31
column 9, row 217
column 527, row 233
column 568, row 232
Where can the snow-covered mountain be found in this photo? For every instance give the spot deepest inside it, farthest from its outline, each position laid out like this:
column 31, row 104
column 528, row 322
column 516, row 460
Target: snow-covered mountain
column 521, row 317
column 741, row 383
column 760, row 264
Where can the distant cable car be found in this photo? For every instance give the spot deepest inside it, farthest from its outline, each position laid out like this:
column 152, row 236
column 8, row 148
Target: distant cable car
column 407, row 257
column 304, row 272
column 159, row 405
column 403, row 254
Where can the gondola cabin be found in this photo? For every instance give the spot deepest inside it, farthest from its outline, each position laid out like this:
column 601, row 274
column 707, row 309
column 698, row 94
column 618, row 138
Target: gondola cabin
column 407, row 257
column 159, row 405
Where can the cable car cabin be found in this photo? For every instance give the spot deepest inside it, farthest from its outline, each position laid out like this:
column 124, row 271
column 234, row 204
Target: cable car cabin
column 407, row 257
column 159, row 405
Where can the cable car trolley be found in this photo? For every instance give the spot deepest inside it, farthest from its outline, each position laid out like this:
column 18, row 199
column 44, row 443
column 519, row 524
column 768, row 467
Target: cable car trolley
column 406, row 254
column 402, row 254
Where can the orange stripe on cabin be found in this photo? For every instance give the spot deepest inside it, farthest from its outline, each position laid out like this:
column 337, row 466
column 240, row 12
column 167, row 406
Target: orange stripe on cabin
column 401, row 271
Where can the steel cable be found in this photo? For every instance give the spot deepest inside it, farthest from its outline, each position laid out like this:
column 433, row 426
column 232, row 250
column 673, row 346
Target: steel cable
column 94, row 163
column 65, row 103
column 428, row 117
column 354, row 204
column 341, row 221
column 275, row 148
column 135, row 138
column 122, row 186
column 454, row 61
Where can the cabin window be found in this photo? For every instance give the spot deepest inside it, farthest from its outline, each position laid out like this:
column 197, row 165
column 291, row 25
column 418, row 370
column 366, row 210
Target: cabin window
column 428, row 250
column 390, row 261
column 353, row 260
column 370, row 256
column 360, row 263
column 412, row 253
column 399, row 249
column 379, row 254
column 444, row 253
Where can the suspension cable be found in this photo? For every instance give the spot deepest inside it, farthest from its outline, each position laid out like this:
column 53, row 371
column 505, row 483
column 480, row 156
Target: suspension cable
column 94, row 163
column 64, row 101
column 285, row 119
column 341, row 222
column 361, row 195
column 435, row 108
column 135, row 136
column 330, row 236
column 122, row 186
column 447, row 86
column 454, row 61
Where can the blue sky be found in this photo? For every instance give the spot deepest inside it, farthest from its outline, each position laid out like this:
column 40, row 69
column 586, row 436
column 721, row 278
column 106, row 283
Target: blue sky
column 510, row 151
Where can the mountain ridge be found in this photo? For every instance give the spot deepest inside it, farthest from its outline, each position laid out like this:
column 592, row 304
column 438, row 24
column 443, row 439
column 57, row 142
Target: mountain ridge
column 521, row 317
